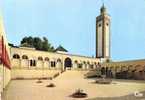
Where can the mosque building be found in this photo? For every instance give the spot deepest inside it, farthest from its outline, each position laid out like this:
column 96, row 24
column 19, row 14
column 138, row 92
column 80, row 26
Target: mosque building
column 31, row 63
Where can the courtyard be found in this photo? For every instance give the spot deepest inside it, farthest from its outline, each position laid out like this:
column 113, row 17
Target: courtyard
column 66, row 84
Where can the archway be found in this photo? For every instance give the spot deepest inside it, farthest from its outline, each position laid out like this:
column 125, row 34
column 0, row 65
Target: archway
column 103, row 71
column 59, row 64
column 24, row 61
column 68, row 63
column 16, row 60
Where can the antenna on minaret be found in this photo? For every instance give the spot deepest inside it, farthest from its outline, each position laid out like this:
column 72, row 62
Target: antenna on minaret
column 103, row 9
column 102, row 2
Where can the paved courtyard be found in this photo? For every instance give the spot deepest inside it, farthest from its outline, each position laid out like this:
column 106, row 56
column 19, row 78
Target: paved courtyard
column 66, row 84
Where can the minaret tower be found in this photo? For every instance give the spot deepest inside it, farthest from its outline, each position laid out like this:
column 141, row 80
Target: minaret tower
column 103, row 34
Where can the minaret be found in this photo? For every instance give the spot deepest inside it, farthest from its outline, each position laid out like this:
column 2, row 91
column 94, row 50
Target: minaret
column 103, row 34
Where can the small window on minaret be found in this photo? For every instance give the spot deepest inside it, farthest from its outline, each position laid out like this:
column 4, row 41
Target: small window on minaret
column 107, row 24
column 99, row 25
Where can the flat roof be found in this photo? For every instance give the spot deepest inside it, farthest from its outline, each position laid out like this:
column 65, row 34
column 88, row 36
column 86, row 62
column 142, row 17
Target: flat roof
column 54, row 52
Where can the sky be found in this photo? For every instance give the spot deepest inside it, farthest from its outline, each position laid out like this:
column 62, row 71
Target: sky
column 72, row 24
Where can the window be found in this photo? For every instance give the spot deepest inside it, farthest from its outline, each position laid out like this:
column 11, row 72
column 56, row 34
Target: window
column 84, row 62
column 32, row 63
column 24, row 57
column 99, row 25
column 107, row 24
column 79, row 65
column 46, row 59
column 88, row 63
column 53, row 63
column 59, row 60
column 16, row 56
column 40, row 58
column 76, row 61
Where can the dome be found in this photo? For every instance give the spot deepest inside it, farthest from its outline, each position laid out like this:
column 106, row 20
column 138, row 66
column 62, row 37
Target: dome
column 103, row 9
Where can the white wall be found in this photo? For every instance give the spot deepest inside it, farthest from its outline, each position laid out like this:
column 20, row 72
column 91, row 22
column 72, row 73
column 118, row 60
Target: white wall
column 5, row 75
column 32, row 73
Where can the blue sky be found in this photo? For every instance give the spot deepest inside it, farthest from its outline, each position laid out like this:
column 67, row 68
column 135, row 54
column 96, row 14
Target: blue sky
column 71, row 23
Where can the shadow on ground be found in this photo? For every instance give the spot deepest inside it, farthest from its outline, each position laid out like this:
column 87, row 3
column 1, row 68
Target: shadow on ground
column 127, row 97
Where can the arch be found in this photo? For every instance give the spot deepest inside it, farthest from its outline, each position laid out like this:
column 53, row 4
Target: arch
column 95, row 63
column 24, row 57
column 138, row 67
column 107, row 71
column 58, row 60
column 46, row 62
column 40, row 62
column 130, row 67
column 92, row 63
column 40, row 58
column 107, row 68
column 124, row 68
column 46, row 59
column 84, row 62
column 16, row 56
column 111, row 68
column 103, row 71
column 91, row 66
column 67, row 63
column 80, row 65
column 118, row 69
column 59, row 63
column 88, row 62
column 98, row 64
column 16, row 60
column 24, row 61
column 76, row 61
